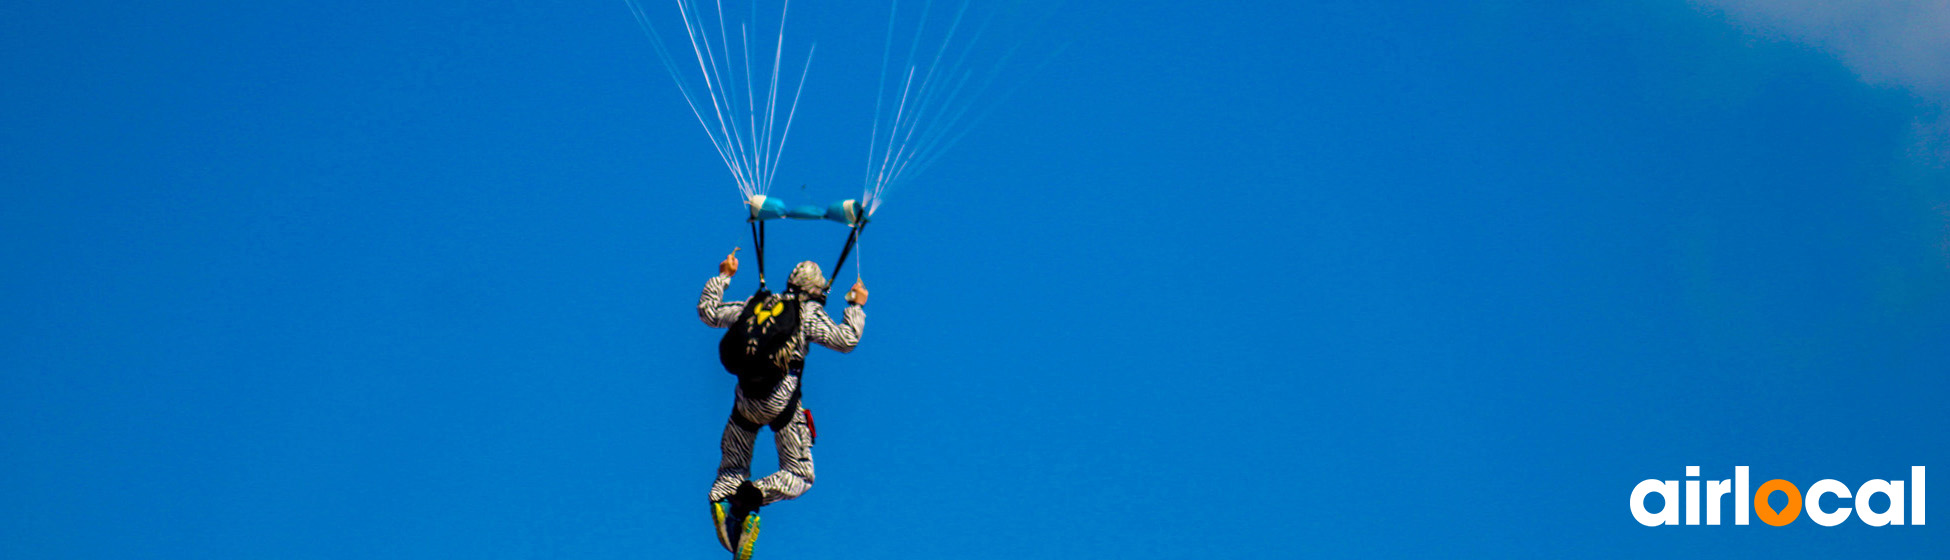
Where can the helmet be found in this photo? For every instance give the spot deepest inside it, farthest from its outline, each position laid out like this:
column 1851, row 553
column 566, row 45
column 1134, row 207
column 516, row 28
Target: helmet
column 808, row 279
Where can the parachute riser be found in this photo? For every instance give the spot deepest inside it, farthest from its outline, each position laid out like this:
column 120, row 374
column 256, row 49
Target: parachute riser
column 851, row 238
column 758, row 242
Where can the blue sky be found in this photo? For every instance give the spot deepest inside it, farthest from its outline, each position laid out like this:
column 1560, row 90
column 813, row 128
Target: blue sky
column 308, row 280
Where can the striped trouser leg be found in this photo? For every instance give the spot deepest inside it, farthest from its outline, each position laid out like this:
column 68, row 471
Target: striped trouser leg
column 795, row 474
column 736, row 466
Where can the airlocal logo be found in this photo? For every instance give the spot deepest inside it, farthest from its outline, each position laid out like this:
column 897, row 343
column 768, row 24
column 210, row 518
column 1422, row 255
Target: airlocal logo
column 1716, row 491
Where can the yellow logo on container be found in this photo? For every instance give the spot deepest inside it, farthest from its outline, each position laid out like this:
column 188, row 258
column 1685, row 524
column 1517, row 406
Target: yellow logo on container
column 765, row 314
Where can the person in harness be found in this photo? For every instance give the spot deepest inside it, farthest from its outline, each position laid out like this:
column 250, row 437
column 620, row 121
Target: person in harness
column 765, row 346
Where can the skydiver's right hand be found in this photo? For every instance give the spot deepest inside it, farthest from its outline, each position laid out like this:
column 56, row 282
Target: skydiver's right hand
column 730, row 265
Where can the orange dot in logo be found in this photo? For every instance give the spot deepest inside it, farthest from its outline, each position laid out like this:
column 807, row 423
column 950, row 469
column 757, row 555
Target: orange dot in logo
column 1783, row 516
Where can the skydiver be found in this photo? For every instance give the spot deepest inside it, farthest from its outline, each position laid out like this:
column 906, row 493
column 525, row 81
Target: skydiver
column 735, row 498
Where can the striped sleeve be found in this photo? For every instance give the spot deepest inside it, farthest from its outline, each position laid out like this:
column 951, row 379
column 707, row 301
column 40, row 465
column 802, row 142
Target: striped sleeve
column 841, row 337
column 711, row 306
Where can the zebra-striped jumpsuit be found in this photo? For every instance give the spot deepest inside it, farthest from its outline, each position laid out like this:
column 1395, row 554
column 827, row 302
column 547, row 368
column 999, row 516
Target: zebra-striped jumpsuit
column 795, row 473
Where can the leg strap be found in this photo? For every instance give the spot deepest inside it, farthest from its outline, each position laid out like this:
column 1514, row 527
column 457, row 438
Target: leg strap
column 791, row 411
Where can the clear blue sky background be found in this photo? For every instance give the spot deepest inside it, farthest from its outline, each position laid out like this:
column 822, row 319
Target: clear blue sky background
column 326, row 280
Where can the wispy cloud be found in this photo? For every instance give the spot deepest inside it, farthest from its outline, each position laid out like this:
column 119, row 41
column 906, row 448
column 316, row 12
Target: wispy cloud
column 1904, row 43
column 1896, row 43
column 1892, row 43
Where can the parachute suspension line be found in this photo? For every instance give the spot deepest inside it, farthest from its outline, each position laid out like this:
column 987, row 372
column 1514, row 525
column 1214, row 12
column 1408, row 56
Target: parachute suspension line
column 933, row 97
column 879, row 94
column 926, row 95
column 745, row 137
column 923, row 150
column 930, row 145
column 751, row 109
column 880, row 178
column 934, row 147
column 712, row 82
column 952, row 103
column 772, row 89
column 946, row 95
column 670, row 65
column 749, row 144
column 792, row 112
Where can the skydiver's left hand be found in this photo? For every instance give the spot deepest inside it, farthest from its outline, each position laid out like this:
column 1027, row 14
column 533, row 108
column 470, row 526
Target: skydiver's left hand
column 857, row 295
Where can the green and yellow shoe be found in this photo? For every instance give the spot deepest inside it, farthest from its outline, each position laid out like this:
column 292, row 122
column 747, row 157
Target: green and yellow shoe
column 717, row 520
column 747, row 538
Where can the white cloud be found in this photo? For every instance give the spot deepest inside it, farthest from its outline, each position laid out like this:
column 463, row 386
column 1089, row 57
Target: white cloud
column 1895, row 43
column 1903, row 43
